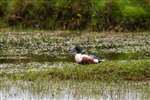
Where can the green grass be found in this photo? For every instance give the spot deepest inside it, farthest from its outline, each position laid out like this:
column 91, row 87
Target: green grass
column 136, row 70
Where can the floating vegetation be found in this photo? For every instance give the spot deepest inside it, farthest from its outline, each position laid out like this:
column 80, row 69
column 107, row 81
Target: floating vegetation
column 117, row 46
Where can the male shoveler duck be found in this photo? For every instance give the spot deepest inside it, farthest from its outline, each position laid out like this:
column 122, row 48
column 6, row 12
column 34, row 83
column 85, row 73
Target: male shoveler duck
column 84, row 58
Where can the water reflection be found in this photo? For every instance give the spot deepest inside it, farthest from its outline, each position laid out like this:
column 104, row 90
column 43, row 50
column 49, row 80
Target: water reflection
column 73, row 90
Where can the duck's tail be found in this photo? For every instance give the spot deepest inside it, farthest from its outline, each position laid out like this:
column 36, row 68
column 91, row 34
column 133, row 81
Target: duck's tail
column 100, row 60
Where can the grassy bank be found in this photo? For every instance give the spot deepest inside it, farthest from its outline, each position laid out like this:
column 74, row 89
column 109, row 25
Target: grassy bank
column 97, row 15
column 136, row 70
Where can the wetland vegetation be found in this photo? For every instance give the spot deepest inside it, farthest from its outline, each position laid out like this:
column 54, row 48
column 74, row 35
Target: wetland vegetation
column 36, row 64
column 30, row 56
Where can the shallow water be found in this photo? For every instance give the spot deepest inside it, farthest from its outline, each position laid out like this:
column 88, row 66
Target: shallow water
column 73, row 90
column 64, row 90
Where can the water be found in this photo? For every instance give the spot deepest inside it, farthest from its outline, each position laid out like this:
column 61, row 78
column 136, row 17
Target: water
column 64, row 90
column 33, row 58
column 73, row 90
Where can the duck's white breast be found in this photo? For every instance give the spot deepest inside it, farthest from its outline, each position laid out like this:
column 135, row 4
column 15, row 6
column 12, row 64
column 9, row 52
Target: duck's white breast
column 78, row 58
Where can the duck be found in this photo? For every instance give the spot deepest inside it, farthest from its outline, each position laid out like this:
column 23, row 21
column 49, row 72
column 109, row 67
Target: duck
column 82, row 58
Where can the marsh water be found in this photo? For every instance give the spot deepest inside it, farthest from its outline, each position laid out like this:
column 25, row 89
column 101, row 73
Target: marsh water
column 65, row 90
column 73, row 90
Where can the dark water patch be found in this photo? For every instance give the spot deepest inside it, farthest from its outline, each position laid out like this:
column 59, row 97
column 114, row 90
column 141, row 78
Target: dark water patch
column 34, row 58
column 127, row 56
column 124, row 56
column 14, row 60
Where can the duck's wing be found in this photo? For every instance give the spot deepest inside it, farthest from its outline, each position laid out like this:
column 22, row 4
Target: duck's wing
column 96, row 57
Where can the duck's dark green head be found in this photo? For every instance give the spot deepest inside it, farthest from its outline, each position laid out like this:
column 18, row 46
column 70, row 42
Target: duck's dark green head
column 76, row 50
